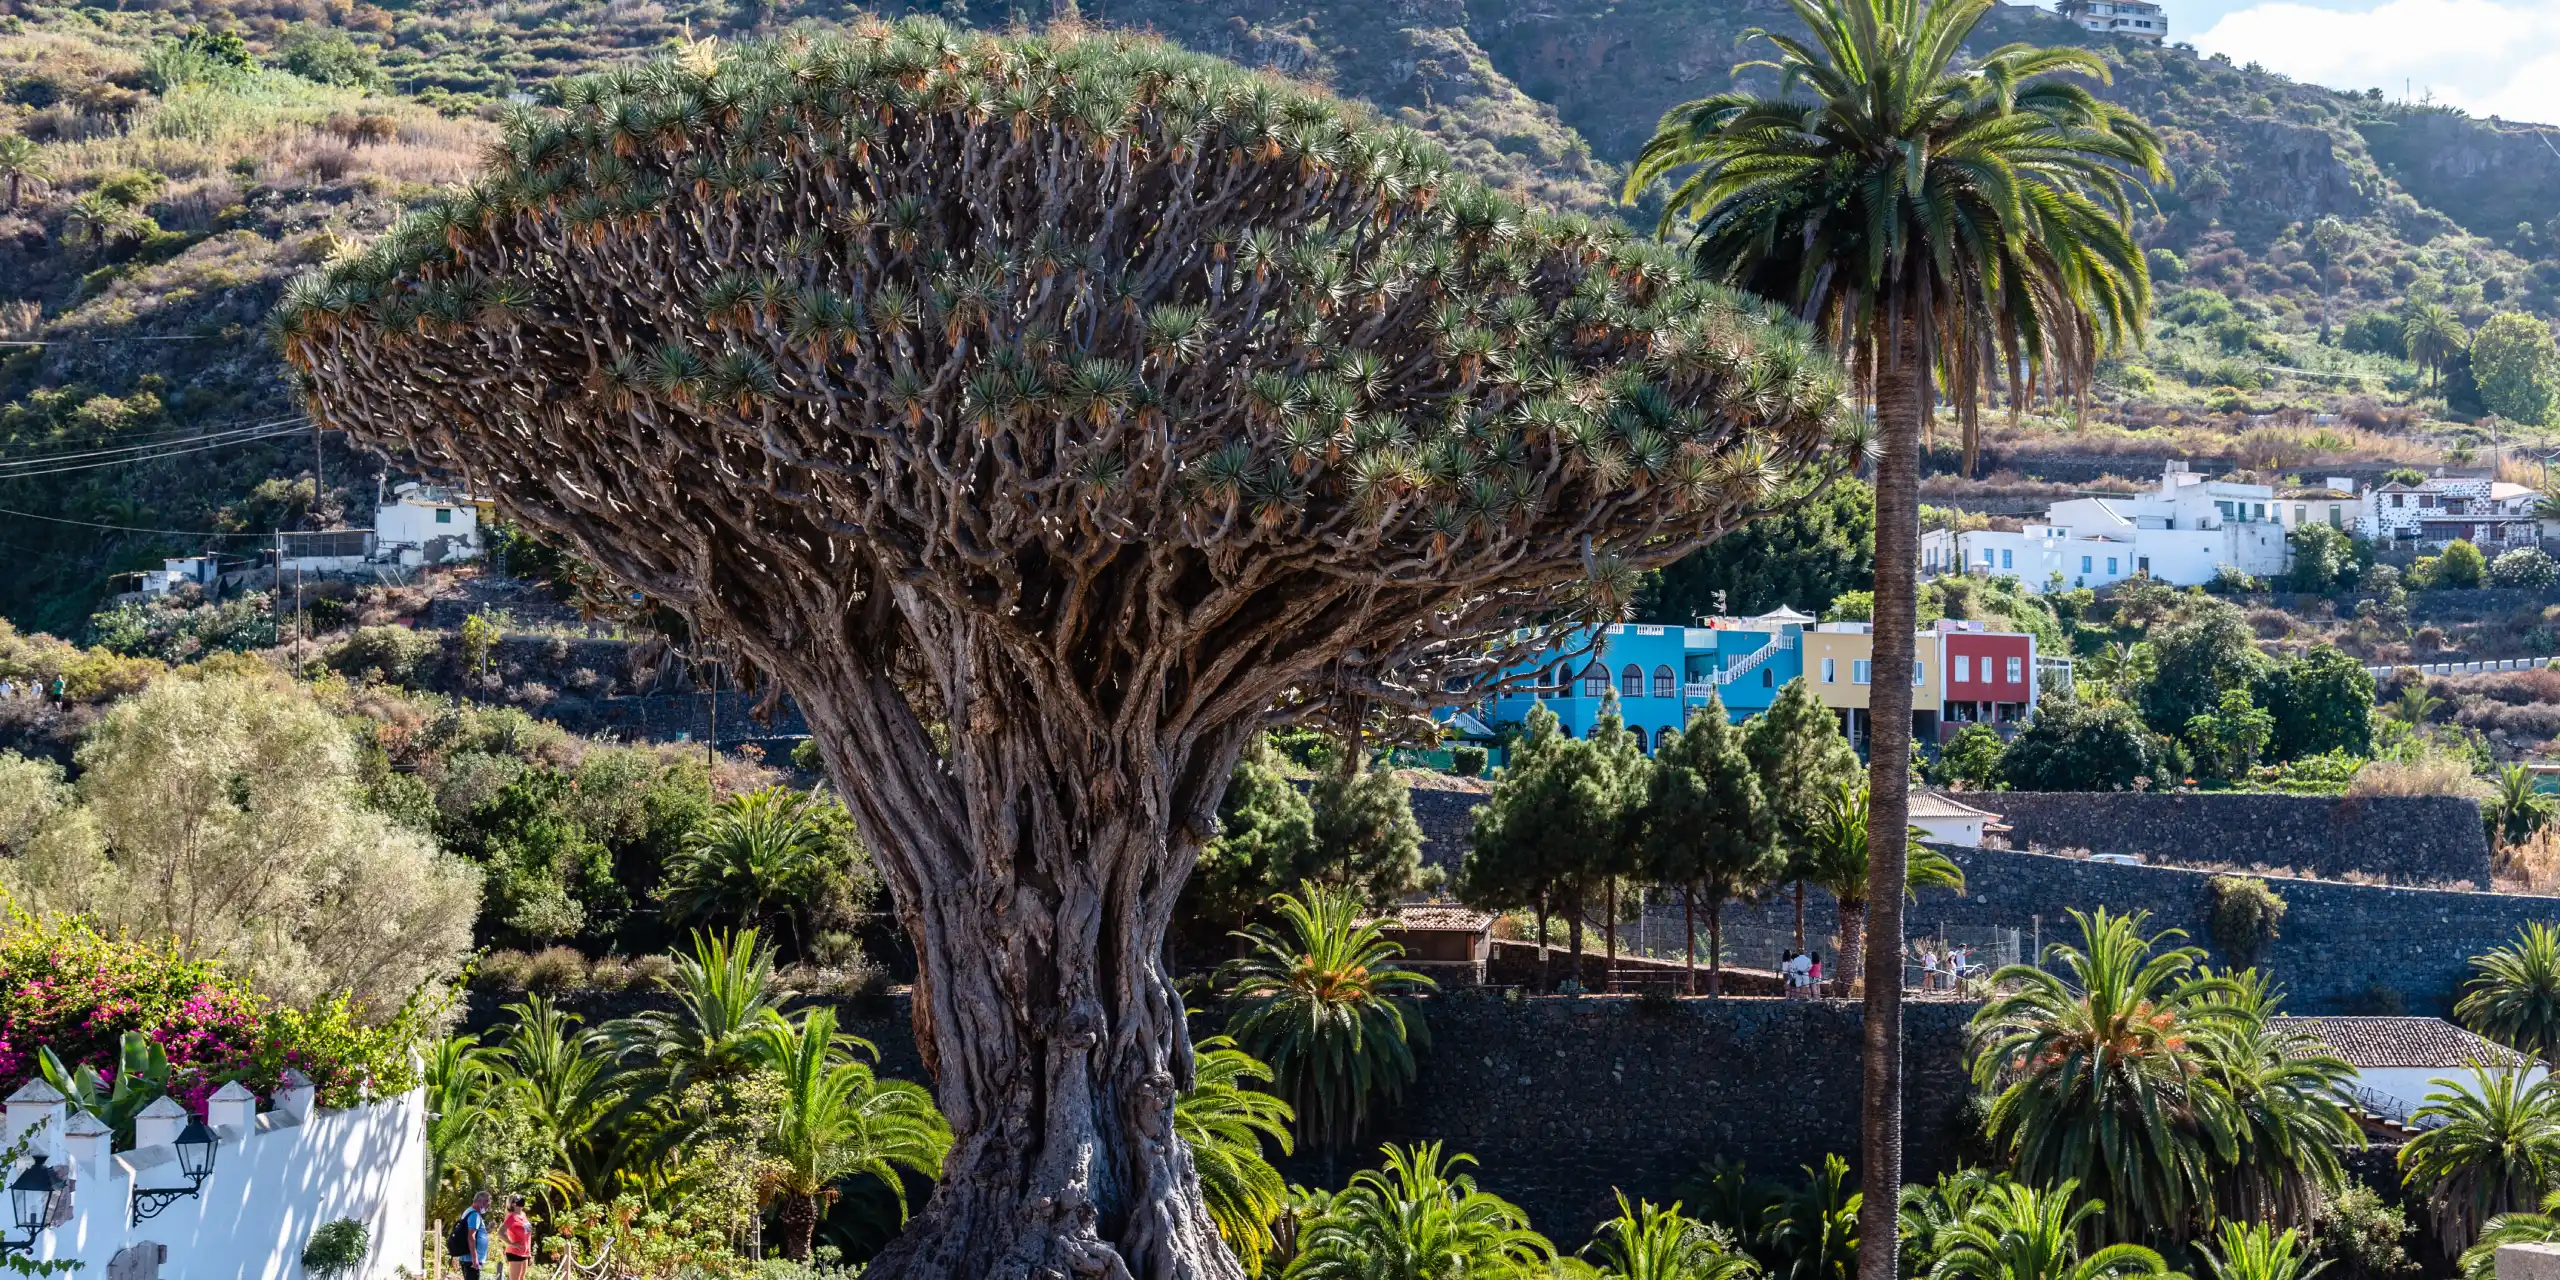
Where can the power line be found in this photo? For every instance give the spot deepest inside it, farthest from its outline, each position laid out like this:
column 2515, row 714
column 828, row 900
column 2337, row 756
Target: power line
column 213, row 437
column 148, row 457
column 75, row 342
column 128, row 528
column 61, row 449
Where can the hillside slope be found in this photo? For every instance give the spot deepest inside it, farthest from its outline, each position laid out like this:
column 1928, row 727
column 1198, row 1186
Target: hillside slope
column 191, row 158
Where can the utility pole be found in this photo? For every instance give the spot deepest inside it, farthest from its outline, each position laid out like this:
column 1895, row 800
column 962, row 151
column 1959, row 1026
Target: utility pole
column 319, row 483
column 711, row 741
column 275, row 600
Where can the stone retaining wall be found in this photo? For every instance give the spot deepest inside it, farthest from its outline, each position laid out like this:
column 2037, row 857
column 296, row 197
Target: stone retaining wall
column 2409, row 840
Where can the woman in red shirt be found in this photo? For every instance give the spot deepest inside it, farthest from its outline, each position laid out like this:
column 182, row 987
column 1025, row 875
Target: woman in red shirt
column 516, row 1237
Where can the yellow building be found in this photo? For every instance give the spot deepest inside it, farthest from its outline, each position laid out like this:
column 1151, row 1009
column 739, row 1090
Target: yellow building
column 1838, row 662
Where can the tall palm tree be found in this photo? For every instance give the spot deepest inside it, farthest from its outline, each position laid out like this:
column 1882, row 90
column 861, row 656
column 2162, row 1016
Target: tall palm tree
column 761, row 856
column 1836, row 856
column 2514, row 993
column 1420, row 1219
column 838, row 1120
column 2433, row 335
column 1646, row 1243
column 1226, row 1119
column 2494, row 1148
column 2018, row 1232
column 1933, row 221
column 2102, row 1077
column 1322, row 1000
column 725, row 994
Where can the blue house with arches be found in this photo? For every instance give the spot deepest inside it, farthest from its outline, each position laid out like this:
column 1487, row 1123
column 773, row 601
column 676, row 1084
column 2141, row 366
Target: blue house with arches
column 1657, row 673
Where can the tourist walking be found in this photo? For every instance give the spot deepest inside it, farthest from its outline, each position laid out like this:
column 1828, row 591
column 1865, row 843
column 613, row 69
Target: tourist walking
column 469, row 1243
column 518, row 1238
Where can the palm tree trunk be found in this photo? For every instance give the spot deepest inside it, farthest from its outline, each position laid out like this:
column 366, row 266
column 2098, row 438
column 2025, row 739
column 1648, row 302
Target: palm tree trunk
column 799, row 1225
column 1853, row 926
column 1689, row 925
column 1902, row 399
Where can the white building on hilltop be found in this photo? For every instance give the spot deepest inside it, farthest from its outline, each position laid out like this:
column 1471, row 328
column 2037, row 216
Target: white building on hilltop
column 2493, row 515
column 2137, row 18
column 2182, row 533
column 426, row 524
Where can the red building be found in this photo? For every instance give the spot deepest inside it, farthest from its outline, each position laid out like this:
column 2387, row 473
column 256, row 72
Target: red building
column 1990, row 676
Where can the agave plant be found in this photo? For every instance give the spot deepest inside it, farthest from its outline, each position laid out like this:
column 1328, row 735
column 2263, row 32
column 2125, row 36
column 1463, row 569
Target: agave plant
column 1226, row 1120
column 1322, row 1000
column 141, row 1078
column 1419, row 1218
column 2489, row 1146
column 2514, row 993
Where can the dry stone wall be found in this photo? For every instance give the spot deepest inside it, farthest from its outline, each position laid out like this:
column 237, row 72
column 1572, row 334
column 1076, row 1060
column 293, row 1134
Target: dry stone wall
column 2407, row 840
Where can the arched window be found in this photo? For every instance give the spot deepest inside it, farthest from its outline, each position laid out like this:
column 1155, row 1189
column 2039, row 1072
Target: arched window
column 1631, row 682
column 1665, row 684
column 1595, row 681
column 1563, row 681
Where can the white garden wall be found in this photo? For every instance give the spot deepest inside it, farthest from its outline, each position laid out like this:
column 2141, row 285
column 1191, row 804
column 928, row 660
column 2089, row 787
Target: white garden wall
column 279, row 1176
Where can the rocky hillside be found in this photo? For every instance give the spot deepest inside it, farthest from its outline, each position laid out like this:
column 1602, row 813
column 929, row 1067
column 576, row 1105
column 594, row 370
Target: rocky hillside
column 190, row 157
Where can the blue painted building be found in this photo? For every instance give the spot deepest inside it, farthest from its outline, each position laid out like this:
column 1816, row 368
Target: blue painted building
column 1657, row 673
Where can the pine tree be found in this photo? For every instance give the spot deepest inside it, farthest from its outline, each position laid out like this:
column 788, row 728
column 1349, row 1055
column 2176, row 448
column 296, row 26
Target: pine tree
column 1534, row 837
column 1610, row 864
column 1266, row 842
column 1705, row 828
column 1366, row 839
column 1802, row 757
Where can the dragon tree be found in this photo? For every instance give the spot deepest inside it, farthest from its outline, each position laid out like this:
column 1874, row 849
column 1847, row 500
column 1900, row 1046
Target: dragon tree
column 1048, row 416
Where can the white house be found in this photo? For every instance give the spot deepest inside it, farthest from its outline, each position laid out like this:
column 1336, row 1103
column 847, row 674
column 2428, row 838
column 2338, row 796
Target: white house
column 1945, row 820
column 276, row 1176
column 202, row 571
column 2137, row 18
column 2399, row 1061
column 2493, row 514
column 2181, row 533
column 426, row 524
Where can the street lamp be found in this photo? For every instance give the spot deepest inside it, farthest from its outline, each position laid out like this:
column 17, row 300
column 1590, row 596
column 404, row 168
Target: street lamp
column 33, row 1198
column 197, row 1146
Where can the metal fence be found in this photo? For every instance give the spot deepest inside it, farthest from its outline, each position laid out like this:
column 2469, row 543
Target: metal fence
column 1931, row 955
column 2462, row 668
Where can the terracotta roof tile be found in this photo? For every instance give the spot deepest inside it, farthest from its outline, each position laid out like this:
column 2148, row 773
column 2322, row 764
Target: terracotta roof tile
column 2404, row 1042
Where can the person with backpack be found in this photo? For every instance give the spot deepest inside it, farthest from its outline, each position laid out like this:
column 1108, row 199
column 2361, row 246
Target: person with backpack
column 468, row 1241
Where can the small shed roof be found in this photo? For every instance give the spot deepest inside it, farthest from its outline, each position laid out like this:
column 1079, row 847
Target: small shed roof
column 1439, row 918
column 2404, row 1042
column 1932, row 804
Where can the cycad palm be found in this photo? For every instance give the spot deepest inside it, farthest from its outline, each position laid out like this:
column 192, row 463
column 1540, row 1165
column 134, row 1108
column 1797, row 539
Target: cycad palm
column 1934, row 222
column 2255, row 1251
column 724, row 994
column 838, row 1120
column 2102, row 1079
column 1226, row 1120
column 1646, row 1243
column 2514, row 993
column 1420, row 1219
column 2480, row 1261
column 2013, row 1231
column 555, row 1075
column 2493, row 1148
column 1323, row 1002
column 1835, row 856
column 761, row 856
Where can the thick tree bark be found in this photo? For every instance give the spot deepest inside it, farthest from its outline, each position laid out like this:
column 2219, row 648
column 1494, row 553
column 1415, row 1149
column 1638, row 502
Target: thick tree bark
column 799, row 1225
column 1852, row 920
column 1036, row 869
column 1799, row 915
column 1902, row 401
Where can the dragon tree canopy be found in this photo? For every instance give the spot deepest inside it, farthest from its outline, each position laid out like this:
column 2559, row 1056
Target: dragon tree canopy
column 1091, row 398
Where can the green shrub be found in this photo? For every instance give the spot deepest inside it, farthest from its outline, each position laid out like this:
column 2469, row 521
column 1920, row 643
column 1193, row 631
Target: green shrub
column 1467, row 760
column 336, row 1249
column 2460, row 565
column 2525, row 568
column 392, row 655
column 2362, row 1234
column 555, row 969
column 2246, row 917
